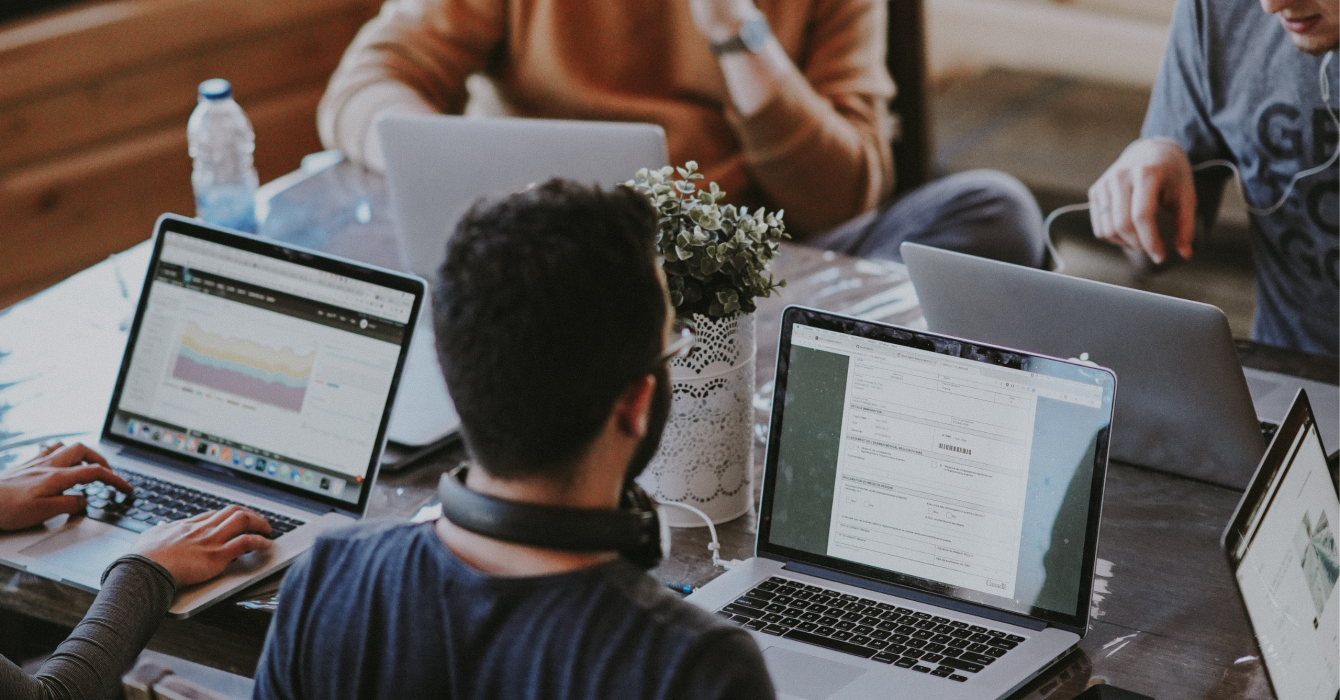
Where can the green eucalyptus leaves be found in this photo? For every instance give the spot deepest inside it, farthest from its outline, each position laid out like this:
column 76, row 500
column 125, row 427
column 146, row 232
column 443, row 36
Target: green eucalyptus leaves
column 715, row 256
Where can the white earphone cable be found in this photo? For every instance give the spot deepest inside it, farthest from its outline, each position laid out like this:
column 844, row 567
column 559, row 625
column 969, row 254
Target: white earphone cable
column 715, row 545
column 1324, row 84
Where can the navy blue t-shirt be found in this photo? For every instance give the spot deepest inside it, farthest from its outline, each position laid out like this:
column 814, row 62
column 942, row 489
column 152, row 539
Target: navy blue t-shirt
column 1234, row 87
column 385, row 610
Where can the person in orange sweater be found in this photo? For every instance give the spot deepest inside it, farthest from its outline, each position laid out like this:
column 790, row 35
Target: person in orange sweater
column 784, row 104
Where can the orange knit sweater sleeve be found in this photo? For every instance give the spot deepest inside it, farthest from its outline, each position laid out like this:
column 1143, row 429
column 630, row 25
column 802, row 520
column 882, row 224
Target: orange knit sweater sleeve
column 821, row 147
column 413, row 51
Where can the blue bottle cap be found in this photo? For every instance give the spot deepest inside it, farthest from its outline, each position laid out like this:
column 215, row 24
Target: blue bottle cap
column 216, row 89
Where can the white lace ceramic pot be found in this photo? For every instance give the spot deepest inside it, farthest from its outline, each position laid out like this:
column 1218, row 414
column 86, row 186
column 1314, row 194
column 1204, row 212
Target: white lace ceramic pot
column 708, row 447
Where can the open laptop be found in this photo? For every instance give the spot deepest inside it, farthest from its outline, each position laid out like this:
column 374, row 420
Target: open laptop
column 254, row 373
column 930, row 510
column 437, row 166
column 1187, row 404
column 1281, row 548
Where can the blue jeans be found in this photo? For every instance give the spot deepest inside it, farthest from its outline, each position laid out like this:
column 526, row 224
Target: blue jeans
column 980, row 212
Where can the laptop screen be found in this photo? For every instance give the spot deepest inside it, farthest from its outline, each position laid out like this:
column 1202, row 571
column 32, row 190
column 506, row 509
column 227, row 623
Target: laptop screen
column 275, row 369
column 1282, row 548
column 956, row 469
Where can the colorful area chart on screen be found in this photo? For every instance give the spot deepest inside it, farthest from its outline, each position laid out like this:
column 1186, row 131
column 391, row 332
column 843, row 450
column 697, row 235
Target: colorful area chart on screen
column 242, row 367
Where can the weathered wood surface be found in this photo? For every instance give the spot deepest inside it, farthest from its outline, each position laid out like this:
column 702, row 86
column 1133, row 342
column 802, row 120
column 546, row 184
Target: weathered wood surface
column 93, row 109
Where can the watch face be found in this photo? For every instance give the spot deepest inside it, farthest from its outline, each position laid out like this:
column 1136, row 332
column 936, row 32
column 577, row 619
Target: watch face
column 754, row 33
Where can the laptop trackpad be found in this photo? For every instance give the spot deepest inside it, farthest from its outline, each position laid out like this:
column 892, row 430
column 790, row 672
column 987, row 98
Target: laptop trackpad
column 80, row 553
column 804, row 676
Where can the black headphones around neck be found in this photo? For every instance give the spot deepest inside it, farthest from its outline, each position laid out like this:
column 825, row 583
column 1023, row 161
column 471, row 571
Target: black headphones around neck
column 634, row 531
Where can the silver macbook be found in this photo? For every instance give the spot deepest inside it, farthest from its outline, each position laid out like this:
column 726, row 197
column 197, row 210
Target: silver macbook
column 930, row 510
column 255, row 373
column 437, row 166
column 1186, row 403
column 1281, row 548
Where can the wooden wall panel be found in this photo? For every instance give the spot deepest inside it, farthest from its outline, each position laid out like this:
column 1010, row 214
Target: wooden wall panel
column 93, row 109
column 54, row 123
column 111, row 37
column 82, row 209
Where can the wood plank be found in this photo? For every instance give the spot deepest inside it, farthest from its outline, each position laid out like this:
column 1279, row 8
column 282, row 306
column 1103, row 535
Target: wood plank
column 1166, row 573
column 97, row 40
column 163, row 95
column 1166, row 667
column 67, row 215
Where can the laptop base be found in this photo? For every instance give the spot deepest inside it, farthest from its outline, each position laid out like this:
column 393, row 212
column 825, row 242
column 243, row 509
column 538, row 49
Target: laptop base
column 1273, row 394
column 76, row 550
column 799, row 669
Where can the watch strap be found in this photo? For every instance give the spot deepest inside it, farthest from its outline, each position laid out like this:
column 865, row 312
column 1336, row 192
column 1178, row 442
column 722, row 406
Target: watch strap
column 752, row 36
column 731, row 45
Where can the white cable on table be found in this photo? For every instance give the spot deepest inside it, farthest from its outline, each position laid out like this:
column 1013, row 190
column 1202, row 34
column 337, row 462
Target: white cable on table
column 1047, row 231
column 1323, row 84
column 715, row 545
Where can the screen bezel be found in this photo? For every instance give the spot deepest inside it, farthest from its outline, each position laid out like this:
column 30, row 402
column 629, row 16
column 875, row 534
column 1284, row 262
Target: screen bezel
column 1299, row 421
column 234, row 478
column 1076, row 621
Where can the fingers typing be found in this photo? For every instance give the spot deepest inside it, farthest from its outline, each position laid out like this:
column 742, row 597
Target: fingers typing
column 61, row 479
column 71, row 455
column 243, row 544
column 236, row 520
column 52, row 506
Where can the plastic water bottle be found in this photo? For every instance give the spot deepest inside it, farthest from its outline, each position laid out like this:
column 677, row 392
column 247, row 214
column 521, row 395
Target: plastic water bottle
column 221, row 144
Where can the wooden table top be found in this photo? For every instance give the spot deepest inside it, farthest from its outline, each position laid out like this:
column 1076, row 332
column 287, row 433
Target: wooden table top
column 1166, row 617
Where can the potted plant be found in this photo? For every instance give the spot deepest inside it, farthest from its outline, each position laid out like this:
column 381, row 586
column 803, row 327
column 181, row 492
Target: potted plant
column 716, row 260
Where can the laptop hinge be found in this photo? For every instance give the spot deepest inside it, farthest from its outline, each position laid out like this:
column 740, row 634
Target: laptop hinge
column 224, row 477
column 900, row 592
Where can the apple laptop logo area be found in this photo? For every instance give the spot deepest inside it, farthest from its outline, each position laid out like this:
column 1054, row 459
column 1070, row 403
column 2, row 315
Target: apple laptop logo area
column 1083, row 359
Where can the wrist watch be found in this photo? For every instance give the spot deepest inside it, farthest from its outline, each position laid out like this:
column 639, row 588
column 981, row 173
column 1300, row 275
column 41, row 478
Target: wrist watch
column 752, row 37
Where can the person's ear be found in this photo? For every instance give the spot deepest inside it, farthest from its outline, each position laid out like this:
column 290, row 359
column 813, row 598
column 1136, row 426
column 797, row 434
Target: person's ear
column 633, row 409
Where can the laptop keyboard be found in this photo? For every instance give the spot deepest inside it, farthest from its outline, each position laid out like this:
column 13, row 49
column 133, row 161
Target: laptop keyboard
column 156, row 501
column 886, row 633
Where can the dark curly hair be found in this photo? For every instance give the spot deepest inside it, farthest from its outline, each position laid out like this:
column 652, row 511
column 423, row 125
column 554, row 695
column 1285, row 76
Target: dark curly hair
column 547, row 308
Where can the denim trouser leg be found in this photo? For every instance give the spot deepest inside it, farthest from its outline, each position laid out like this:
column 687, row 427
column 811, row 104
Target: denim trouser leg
column 980, row 212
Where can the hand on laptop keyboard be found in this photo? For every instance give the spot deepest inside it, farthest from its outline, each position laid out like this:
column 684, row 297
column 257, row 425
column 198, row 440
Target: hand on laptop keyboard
column 200, row 533
column 198, row 548
column 156, row 501
column 37, row 490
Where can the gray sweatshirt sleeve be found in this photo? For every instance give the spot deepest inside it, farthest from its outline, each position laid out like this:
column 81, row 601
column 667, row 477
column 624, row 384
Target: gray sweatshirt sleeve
column 1183, row 99
column 136, row 593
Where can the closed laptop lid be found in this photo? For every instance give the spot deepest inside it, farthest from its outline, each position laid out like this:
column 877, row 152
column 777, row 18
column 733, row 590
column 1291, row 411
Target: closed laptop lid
column 959, row 471
column 423, row 413
column 263, row 366
column 438, row 165
column 1281, row 547
column 1184, row 405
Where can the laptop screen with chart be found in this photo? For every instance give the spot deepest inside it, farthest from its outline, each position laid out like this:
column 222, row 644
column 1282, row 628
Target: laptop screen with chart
column 271, row 368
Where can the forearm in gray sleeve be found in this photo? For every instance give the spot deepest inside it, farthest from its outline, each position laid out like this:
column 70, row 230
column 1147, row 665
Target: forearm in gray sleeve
column 136, row 593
